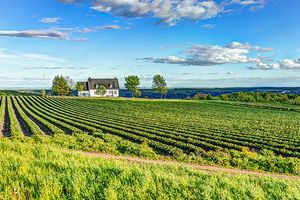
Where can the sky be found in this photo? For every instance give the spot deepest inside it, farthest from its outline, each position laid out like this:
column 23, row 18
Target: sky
column 192, row 43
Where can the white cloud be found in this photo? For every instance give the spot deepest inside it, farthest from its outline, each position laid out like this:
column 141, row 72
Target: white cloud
column 207, row 55
column 58, row 33
column 289, row 64
column 248, row 46
column 233, row 53
column 87, row 29
column 50, row 20
column 254, row 4
column 248, row 2
column 281, row 64
column 169, row 11
column 41, row 34
column 97, row 28
column 109, row 27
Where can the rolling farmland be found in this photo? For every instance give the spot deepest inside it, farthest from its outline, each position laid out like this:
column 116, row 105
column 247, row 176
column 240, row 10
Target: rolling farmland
column 38, row 135
column 168, row 127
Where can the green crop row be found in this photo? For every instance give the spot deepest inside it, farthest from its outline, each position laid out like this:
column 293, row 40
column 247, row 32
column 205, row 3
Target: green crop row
column 203, row 140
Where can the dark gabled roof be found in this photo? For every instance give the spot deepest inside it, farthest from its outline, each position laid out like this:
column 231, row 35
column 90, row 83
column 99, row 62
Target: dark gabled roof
column 108, row 83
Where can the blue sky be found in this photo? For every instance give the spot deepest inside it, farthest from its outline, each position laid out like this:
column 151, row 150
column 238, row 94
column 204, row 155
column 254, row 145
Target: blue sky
column 193, row 43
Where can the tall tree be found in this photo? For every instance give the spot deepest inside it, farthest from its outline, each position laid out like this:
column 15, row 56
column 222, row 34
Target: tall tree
column 137, row 93
column 70, row 82
column 79, row 86
column 159, row 84
column 132, row 83
column 60, row 86
column 101, row 90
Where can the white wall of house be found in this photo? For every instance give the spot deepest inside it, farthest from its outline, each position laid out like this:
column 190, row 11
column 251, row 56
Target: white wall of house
column 109, row 93
column 92, row 93
column 83, row 93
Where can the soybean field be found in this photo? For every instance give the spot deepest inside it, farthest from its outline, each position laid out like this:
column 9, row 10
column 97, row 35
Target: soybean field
column 169, row 127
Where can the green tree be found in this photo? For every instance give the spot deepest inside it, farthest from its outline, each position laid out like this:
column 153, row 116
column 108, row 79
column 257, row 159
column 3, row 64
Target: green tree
column 209, row 97
column 224, row 97
column 297, row 100
column 101, row 90
column 79, row 86
column 43, row 94
column 159, row 84
column 137, row 93
column 132, row 83
column 60, row 86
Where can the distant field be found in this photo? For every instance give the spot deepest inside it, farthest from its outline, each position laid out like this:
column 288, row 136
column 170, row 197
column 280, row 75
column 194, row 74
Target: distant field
column 205, row 132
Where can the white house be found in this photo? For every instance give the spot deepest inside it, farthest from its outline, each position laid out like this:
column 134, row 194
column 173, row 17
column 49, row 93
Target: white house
column 91, row 86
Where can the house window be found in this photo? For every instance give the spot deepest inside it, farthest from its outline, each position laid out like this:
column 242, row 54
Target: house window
column 110, row 86
column 115, row 92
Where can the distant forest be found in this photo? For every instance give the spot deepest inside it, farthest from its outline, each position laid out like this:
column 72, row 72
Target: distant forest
column 178, row 93
column 189, row 93
column 20, row 93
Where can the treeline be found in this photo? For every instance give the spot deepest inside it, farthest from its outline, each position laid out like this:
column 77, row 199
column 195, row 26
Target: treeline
column 62, row 86
column 261, row 97
column 18, row 93
column 159, row 85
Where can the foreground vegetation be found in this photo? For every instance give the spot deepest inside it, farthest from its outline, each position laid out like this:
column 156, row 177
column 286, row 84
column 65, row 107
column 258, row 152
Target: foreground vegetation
column 206, row 132
column 36, row 171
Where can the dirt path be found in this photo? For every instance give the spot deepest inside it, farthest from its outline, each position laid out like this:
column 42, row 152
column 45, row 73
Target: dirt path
column 193, row 166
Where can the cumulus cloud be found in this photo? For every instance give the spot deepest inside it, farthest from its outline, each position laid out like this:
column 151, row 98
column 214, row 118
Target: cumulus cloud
column 50, row 20
column 248, row 46
column 208, row 55
column 281, row 64
column 289, row 64
column 169, row 11
column 41, row 34
column 233, row 53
